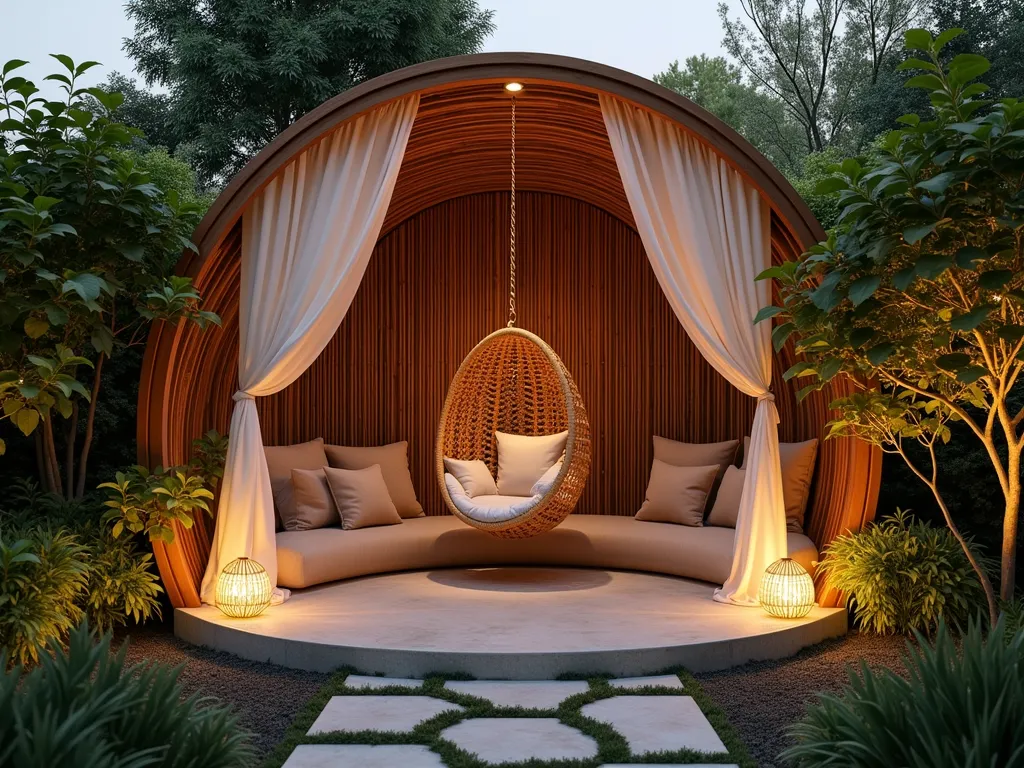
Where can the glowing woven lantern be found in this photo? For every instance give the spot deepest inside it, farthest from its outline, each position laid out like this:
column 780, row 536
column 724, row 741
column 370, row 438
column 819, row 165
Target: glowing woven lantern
column 243, row 589
column 787, row 590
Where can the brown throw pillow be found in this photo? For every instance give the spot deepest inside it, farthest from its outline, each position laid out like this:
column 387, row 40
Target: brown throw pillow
column 362, row 497
column 727, row 504
column 677, row 494
column 797, row 461
column 697, row 455
column 281, row 460
column 314, row 505
column 393, row 460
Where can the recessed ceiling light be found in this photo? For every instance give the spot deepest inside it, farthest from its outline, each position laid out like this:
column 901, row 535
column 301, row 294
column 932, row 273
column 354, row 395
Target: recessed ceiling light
column 513, row 87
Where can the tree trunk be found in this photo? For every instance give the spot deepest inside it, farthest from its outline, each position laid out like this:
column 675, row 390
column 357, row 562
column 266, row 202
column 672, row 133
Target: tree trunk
column 986, row 582
column 90, row 420
column 51, row 455
column 69, row 452
column 43, row 463
column 1011, row 523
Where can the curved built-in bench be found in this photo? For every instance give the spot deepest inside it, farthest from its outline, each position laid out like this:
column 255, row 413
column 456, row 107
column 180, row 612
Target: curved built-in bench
column 306, row 558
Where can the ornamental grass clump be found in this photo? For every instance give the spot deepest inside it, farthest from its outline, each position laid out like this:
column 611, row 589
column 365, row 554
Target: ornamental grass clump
column 950, row 710
column 85, row 707
column 901, row 575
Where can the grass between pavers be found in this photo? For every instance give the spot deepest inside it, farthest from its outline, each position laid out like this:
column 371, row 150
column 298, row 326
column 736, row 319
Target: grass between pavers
column 611, row 746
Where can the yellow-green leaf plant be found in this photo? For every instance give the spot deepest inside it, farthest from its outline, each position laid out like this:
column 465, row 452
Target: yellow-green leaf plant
column 919, row 288
column 151, row 503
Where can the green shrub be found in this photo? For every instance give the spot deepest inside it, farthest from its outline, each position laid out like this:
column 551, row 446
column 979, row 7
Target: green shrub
column 43, row 576
column 85, row 707
column 901, row 575
column 60, row 562
column 951, row 711
column 122, row 582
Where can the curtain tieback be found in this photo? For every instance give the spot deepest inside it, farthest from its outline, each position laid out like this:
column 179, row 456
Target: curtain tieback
column 241, row 395
column 766, row 396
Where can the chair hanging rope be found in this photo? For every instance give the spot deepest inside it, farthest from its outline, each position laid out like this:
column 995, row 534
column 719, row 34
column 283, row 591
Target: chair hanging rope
column 512, row 381
column 512, row 230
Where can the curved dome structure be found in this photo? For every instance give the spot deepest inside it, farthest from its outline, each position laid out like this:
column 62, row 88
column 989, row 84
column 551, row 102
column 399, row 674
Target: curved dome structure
column 426, row 297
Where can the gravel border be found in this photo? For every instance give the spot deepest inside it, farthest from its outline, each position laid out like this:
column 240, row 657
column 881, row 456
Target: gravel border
column 763, row 698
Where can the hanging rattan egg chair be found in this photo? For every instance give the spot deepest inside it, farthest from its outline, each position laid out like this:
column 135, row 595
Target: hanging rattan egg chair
column 513, row 382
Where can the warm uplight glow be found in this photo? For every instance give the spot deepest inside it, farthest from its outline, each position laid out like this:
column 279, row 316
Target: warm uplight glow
column 513, row 87
column 243, row 589
column 787, row 590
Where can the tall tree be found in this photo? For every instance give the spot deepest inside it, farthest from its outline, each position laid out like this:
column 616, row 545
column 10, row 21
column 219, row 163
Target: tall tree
column 816, row 56
column 241, row 71
column 145, row 110
column 717, row 85
column 920, row 288
column 992, row 28
column 879, row 25
column 88, row 245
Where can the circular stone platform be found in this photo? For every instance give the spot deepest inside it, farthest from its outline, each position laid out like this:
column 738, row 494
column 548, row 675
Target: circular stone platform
column 508, row 623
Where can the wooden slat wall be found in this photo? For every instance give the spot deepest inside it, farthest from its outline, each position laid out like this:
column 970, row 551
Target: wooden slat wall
column 437, row 284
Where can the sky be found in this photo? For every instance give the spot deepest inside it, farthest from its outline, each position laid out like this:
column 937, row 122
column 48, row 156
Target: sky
column 644, row 40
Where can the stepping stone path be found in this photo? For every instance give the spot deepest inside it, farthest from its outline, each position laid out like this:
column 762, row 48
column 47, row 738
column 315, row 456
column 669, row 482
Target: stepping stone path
column 512, row 739
column 666, row 720
column 351, row 714
column 656, row 723
column 544, row 694
column 363, row 756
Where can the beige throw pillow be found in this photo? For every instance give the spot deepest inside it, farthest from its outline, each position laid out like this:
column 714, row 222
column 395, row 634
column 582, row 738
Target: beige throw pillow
column 697, row 455
column 797, row 461
column 677, row 494
column 314, row 505
column 523, row 460
column 393, row 460
column 281, row 460
column 727, row 503
column 474, row 476
column 362, row 497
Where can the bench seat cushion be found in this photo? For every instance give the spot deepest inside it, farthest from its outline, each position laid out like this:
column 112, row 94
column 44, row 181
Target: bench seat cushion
column 306, row 558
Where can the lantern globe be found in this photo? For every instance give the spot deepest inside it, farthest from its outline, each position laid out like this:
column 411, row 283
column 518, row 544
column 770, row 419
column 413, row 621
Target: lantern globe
column 243, row 589
column 787, row 590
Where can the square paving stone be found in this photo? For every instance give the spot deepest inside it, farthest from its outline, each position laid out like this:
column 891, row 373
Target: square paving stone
column 657, row 681
column 657, row 723
column 362, row 756
column 378, row 713
column 514, row 739
column 364, row 682
column 542, row 694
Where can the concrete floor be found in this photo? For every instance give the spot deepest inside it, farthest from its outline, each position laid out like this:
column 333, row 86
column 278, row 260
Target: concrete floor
column 525, row 623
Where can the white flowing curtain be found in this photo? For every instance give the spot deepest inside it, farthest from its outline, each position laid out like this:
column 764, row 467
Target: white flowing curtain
column 306, row 240
column 706, row 232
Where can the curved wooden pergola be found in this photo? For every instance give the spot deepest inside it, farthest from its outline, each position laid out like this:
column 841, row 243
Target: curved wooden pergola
column 454, row 172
